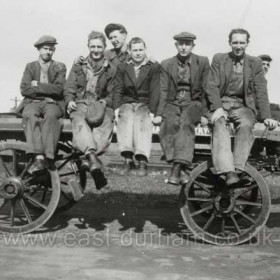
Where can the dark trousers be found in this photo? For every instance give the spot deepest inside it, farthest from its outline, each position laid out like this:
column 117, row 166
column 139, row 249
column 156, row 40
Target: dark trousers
column 42, row 127
column 177, row 132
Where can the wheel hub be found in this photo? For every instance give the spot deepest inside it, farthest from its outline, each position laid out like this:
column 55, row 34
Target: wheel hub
column 224, row 203
column 11, row 188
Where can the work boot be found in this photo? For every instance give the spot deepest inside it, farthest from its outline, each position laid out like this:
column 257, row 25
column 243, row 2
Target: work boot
column 99, row 178
column 51, row 164
column 94, row 161
column 174, row 178
column 143, row 168
column 128, row 165
column 38, row 165
column 232, row 178
column 85, row 165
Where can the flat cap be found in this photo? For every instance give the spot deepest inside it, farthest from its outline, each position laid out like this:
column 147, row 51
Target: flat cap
column 184, row 36
column 265, row 57
column 46, row 39
column 114, row 26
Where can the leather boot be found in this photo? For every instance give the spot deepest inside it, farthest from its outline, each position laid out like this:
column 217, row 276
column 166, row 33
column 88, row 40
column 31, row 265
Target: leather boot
column 85, row 165
column 94, row 161
column 175, row 176
column 128, row 165
column 143, row 168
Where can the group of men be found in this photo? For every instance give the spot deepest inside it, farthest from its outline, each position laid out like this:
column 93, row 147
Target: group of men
column 125, row 86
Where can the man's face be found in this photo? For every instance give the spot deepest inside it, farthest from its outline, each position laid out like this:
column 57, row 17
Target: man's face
column 238, row 44
column 96, row 49
column 266, row 66
column 138, row 53
column 46, row 52
column 117, row 39
column 184, row 47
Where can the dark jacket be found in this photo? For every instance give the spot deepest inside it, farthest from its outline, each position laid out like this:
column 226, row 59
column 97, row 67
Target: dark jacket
column 144, row 89
column 169, row 78
column 113, row 58
column 77, row 80
column 53, row 89
column 255, row 89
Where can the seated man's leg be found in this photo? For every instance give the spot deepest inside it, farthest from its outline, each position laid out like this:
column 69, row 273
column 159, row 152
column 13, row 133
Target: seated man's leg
column 82, row 134
column 125, row 134
column 221, row 148
column 244, row 119
column 102, row 135
column 142, row 136
column 32, row 128
column 185, row 140
column 168, row 133
column 51, row 128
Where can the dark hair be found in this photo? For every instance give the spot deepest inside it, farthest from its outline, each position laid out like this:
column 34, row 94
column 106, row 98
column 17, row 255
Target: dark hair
column 97, row 35
column 136, row 40
column 239, row 31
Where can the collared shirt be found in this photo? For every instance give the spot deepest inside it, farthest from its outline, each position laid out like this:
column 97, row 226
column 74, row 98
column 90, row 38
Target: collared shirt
column 235, row 86
column 136, row 67
column 93, row 71
column 44, row 70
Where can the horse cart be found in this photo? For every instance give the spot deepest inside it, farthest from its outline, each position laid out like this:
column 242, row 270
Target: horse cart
column 212, row 211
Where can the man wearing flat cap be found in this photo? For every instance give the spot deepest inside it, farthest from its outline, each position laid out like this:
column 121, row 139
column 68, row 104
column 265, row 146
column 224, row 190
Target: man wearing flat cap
column 42, row 87
column 182, row 82
column 237, row 92
column 117, row 33
column 88, row 95
column 266, row 59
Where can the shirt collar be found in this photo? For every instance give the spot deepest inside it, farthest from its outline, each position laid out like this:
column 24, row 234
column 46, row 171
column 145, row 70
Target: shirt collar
column 146, row 60
column 187, row 62
column 41, row 61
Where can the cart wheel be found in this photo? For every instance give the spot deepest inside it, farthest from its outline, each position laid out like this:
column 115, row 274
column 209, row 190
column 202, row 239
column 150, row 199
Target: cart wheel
column 221, row 215
column 17, row 189
column 68, row 166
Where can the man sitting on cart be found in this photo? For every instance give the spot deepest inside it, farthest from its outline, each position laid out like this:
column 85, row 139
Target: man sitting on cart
column 182, row 84
column 42, row 87
column 236, row 88
column 88, row 95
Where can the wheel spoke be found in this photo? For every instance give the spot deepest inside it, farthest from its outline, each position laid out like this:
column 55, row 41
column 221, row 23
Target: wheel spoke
column 209, row 222
column 3, row 205
column 244, row 202
column 202, row 210
column 235, row 224
column 244, row 216
column 25, row 169
column 67, row 174
column 25, row 210
column 5, row 167
column 201, row 186
column 35, row 201
column 247, row 189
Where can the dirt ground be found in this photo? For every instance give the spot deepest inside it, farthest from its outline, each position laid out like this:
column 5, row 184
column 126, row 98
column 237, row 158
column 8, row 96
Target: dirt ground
column 134, row 235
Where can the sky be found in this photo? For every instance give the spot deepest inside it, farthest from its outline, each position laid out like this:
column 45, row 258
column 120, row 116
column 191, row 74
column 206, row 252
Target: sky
column 22, row 22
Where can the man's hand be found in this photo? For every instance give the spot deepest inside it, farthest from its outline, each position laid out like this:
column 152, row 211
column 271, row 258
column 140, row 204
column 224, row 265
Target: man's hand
column 157, row 120
column 152, row 116
column 203, row 121
column 219, row 113
column 71, row 107
column 34, row 83
column 79, row 60
column 117, row 115
column 270, row 123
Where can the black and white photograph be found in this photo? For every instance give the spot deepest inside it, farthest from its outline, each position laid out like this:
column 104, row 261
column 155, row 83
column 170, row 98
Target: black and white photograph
column 139, row 140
